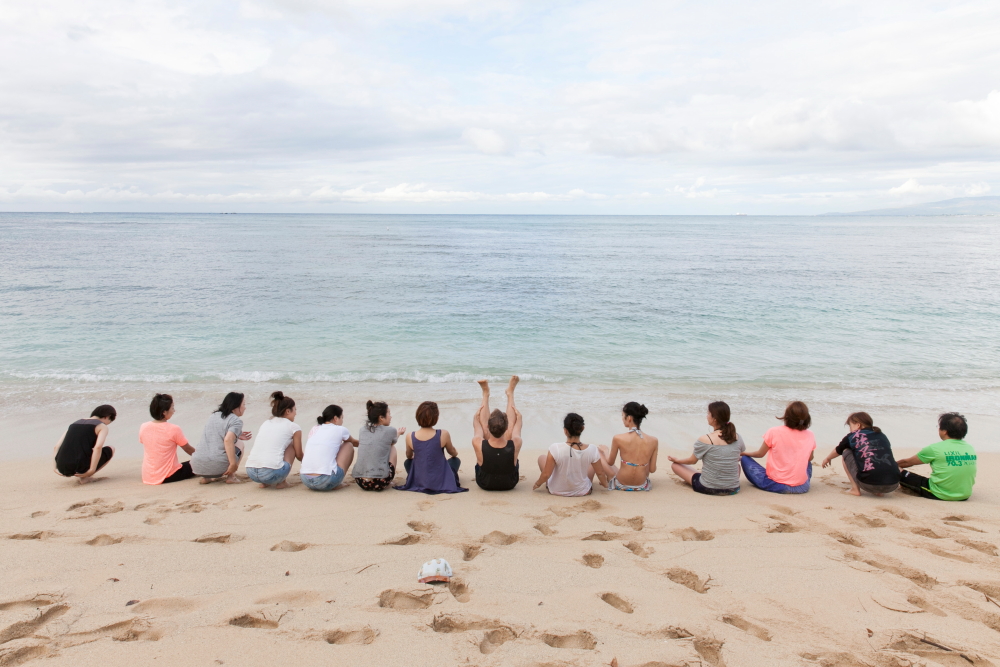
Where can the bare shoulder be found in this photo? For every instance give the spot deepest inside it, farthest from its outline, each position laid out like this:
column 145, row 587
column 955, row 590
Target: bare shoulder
column 618, row 439
column 653, row 440
column 445, row 435
column 704, row 440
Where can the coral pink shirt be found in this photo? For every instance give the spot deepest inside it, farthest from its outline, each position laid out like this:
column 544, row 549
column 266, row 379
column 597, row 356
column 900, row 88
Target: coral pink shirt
column 160, row 441
column 788, row 454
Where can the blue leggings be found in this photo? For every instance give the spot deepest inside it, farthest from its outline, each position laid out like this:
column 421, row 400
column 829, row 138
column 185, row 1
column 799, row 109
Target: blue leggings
column 757, row 475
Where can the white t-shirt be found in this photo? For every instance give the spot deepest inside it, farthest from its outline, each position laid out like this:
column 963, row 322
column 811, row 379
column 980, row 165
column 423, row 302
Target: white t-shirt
column 320, row 457
column 271, row 442
column 570, row 476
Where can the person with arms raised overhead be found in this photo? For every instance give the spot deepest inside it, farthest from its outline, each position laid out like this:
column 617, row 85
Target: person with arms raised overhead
column 376, row 465
column 497, row 465
column 218, row 454
column 82, row 451
column 789, row 451
column 326, row 458
column 868, row 459
column 719, row 453
column 637, row 449
column 427, row 471
column 569, row 467
column 953, row 463
column 160, row 441
column 278, row 444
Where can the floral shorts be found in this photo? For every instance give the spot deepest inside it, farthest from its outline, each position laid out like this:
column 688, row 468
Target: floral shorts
column 615, row 485
column 369, row 484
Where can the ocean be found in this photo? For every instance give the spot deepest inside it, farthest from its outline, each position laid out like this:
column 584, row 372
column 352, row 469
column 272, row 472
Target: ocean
column 890, row 313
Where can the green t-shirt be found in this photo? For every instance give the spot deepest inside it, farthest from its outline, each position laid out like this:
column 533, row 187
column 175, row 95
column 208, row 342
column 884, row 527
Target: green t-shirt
column 953, row 468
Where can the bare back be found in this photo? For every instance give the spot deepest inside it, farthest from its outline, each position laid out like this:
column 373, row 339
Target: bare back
column 638, row 454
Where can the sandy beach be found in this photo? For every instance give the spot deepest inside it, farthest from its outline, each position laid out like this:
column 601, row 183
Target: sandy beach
column 116, row 573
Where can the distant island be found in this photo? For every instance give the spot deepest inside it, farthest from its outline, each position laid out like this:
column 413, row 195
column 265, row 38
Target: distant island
column 959, row 206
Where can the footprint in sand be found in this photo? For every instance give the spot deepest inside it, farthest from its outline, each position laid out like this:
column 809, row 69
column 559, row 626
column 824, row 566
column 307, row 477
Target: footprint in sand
column 254, row 620
column 847, row 538
column 459, row 589
column 987, row 588
column 251, row 508
column 934, row 649
column 400, row 600
column 639, row 550
column 403, row 541
column 636, row 523
column 470, row 551
column 133, row 629
column 22, row 629
column 669, row 632
column 710, row 650
column 746, row 626
column 982, row 547
column 956, row 524
column 602, row 536
column 865, row 521
column 618, row 602
column 834, row 659
column 495, row 638
column 35, row 515
column 34, row 602
column 687, row 578
column 165, row 606
column 447, row 623
column 218, row 538
column 593, row 560
column 36, row 535
column 781, row 526
column 544, row 529
column 496, row 538
column 422, row 526
column 944, row 553
column 105, row 540
column 90, row 509
column 365, row 635
column 926, row 532
column 892, row 511
column 890, row 565
column 579, row 639
column 286, row 545
column 694, row 535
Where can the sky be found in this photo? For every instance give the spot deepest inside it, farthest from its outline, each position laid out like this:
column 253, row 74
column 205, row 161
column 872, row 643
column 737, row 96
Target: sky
column 498, row 106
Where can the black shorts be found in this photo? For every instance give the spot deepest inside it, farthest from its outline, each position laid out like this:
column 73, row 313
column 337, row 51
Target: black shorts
column 106, row 454
column 918, row 484
column 184, row 472
column 701, row 488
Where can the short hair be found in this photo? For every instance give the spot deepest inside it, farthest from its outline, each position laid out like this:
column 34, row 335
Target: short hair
column 497, row 423
column 330, row 413
column 160, row 405
column 105, row 412
column 427, row 414
column 954, row 425
column 573, row 423
column 797, row 416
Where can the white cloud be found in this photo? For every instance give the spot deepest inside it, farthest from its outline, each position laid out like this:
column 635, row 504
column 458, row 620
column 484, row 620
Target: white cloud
column 485, row 141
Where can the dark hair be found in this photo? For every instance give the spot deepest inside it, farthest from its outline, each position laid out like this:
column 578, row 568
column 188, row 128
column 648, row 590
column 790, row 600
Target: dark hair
column 330, row 413
column 160, row 405
column 497, row 423
column 104, row 411
column 376, row 410
column 636, row 411
column 573, row 423
column 427, row 414
column 231, row 402
column 954, row 425
column 280, row 404
column 862, row 419
column 796, row 416
column 720, row 413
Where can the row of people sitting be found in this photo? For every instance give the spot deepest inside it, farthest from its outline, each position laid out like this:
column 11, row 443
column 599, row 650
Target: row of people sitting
column 569, row 468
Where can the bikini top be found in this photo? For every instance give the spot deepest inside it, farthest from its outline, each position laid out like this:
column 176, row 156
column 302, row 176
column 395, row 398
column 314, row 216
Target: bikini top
column 635, row 465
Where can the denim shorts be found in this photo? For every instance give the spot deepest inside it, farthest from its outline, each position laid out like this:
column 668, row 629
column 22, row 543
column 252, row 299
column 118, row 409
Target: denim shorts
column 270, row 476
column 323, row 482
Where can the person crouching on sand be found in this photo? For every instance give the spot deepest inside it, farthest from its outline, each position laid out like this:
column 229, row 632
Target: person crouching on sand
column 82, row 451
column 719, row 453
column 638, row 451
column 376, row 465
column 427, row 470
column 329, row 452
column 789, row 451
column 160, row 441
column 218, row 454
column 953, row 463
column 497, row 465
column 278, row 444
column 569, row 467
column 868, row 459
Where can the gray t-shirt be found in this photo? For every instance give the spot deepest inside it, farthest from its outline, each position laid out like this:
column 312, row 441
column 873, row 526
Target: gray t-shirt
column 373, row 452
column 209, row 456
column 720, row 463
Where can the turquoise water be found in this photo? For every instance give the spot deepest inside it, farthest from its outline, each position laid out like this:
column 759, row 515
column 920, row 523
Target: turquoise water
column 901, row 312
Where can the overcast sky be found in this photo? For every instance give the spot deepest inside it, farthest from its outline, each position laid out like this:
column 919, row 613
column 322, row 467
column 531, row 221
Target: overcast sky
column 497, row 106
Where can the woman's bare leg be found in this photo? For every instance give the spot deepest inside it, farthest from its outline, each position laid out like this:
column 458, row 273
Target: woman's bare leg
column 855, row 491
column 484, row 411
column 541, row 462
column 392, row 456
column 683, row 471
column 477, row 426
column 511, row 410
column 345, row 456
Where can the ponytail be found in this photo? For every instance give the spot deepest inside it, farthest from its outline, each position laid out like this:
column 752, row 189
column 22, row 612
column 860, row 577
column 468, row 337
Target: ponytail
column 864, row 420
column 720, row 415
column 280, row 404
column 329, row 414
column 376, row 410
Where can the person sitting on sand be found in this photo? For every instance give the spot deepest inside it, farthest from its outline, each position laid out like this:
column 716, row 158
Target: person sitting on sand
column 952, row 461
column 278, row 444
column 326, row 460
column 376, row 465
column 569, row 467
column 218, row 454
column 497, row 465
column 868, row 459
column 426, row 468
column 82, row 451
column 638, row 451
column 789, row 451
column 160, row 441
column 719, row 453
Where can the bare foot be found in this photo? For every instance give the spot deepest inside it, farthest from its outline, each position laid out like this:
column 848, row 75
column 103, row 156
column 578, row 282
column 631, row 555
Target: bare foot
column 205, row 480
column 852, row 492
column 263, row 486
column 84, row 480
column 281, row 485
column 484, row 385
column 513, row 383
column 233, row 479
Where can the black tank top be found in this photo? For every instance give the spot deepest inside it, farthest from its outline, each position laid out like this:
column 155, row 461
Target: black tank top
column 78, row 447
column 498, row 472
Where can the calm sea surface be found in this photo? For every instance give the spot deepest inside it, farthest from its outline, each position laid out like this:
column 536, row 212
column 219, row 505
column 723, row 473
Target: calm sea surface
column 855, row 311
